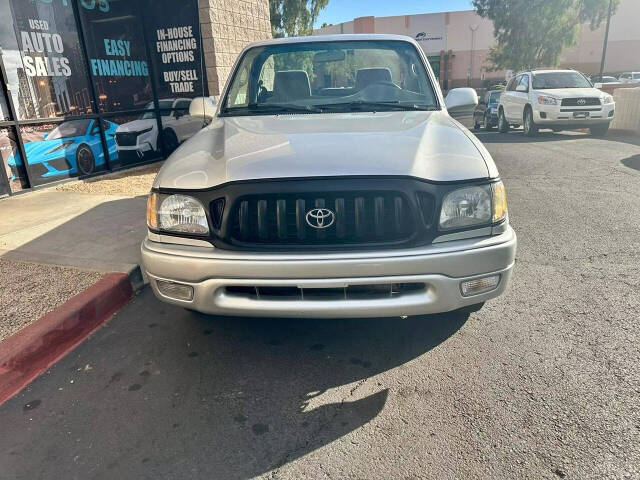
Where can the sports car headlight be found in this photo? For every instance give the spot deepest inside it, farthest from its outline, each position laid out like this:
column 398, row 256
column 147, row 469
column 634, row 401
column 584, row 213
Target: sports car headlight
column 544, row 100
column 606, row 99
column 177, row 214
column 473, row 206
column 64, row 144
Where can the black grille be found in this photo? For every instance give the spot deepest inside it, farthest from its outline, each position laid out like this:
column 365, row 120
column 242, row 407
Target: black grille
column 126, row 139
column 352, row 218
column 577, row 102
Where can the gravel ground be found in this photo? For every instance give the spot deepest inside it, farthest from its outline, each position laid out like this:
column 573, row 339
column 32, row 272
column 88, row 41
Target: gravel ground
column 542, row 383
column 135, row 181
column 36, row 289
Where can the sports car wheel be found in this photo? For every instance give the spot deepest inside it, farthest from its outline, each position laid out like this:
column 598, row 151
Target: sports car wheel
column 84, row 160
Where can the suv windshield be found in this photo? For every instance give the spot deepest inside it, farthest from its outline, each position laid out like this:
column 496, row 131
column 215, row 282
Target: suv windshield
column 545, row 81
column 330, row 76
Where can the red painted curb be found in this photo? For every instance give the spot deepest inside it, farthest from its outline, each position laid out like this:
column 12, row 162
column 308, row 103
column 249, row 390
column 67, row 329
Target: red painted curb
column 31, row 351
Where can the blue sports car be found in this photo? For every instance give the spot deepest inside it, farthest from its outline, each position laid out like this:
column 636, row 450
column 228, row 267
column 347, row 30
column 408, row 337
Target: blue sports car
column 72, row 148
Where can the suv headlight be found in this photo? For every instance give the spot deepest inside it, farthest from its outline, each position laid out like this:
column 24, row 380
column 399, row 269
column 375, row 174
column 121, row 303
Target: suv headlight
column 545, row 100
column 176, row 214
column 473, row 206
column 606, row 99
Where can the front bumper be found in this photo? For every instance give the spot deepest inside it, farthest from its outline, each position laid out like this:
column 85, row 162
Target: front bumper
column 440, row 267
column 556, row 115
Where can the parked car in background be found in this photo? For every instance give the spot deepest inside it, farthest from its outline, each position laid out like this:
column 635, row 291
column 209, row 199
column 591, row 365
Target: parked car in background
column 630, row 77
column 139, row 138
column 486, row 113
column 597, row 79
column 555, row 99
column 351, row 193
column 71, row 148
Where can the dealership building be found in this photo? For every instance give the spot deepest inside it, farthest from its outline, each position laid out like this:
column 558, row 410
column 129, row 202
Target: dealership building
column 96, row 85
column 457, row 43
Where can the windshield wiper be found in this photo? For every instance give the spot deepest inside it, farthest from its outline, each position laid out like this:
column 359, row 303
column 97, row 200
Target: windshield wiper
column 274, row 108
column 395, row 105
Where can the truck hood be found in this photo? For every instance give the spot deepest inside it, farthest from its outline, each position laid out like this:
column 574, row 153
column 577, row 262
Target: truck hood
column 427, row 145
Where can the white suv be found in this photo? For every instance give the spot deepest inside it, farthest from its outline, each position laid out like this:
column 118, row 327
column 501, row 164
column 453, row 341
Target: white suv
column 555, row 99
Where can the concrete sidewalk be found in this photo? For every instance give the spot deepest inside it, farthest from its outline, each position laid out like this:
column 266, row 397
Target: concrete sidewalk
column 87, row 231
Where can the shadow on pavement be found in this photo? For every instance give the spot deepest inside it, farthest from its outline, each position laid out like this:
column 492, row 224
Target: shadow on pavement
column 164, row 393
column 518, row 136
column 632, row 162
column 96, row 232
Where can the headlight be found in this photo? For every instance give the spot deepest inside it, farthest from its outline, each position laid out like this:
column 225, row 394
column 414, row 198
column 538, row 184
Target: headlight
column 544, row 100
column 606, row 99
column 177, row 214
column 64, row 144
column 473, row 206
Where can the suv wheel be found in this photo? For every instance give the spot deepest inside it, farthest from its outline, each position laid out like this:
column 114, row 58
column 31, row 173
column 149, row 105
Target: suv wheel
column 530, row 128
column 487, row 124
column 503, row 125
column 599, row 130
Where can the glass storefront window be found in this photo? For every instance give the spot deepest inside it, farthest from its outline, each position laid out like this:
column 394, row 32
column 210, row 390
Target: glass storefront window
column 136, row 139
column 174, row 43
column 46, row 70
column 178, row 125
column 11, row 161
column 66, row 149
column 117, row 57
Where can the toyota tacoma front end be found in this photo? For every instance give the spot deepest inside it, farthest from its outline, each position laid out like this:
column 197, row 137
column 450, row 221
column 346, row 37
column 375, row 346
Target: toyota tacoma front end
column 330, row 182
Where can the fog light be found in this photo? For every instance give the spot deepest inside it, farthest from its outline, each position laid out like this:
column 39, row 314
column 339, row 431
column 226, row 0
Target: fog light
column 543, row 114
column 178, row 291
column 479, row 285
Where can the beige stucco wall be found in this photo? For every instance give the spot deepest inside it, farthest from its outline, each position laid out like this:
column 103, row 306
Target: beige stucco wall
column 227, row 27
column 622, row 48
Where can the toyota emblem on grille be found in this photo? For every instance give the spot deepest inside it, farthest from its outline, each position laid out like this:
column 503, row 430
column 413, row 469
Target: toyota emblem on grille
column 320, row 218
column 582, row 101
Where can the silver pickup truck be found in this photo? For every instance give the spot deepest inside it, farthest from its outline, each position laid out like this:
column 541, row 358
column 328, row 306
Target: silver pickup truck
column 330, row 181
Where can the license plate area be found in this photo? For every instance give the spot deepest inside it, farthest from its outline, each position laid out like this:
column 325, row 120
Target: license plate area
column 580, row 114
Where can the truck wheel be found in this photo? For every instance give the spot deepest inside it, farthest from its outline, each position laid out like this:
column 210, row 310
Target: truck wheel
column 503, row 125
column 530, row 128
column 84, row 160
column 599, row 130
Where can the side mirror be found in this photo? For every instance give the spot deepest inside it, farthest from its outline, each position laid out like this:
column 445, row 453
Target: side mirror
column 521, row 88
column 204, row 107
column 460, row 99
column 461, row 104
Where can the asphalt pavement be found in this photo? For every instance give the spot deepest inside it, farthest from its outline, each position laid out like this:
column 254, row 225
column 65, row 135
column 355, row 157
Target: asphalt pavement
column 543, row 382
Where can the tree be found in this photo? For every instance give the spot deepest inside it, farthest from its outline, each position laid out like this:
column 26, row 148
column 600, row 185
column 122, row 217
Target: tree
column 294, row 17
column 533, row 33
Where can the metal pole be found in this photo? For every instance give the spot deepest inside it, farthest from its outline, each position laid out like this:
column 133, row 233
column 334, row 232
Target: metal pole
column 606, row 40
column 473, row 31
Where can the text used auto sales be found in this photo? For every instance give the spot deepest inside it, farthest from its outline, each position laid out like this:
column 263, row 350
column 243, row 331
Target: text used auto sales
column 41, row 41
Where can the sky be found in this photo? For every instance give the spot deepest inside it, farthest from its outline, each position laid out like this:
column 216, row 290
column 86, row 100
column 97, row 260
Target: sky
column 338, row 11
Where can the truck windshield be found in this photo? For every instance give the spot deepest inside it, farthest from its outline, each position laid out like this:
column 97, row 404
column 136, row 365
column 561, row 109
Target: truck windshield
column 330, row 77
column 546, row 81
